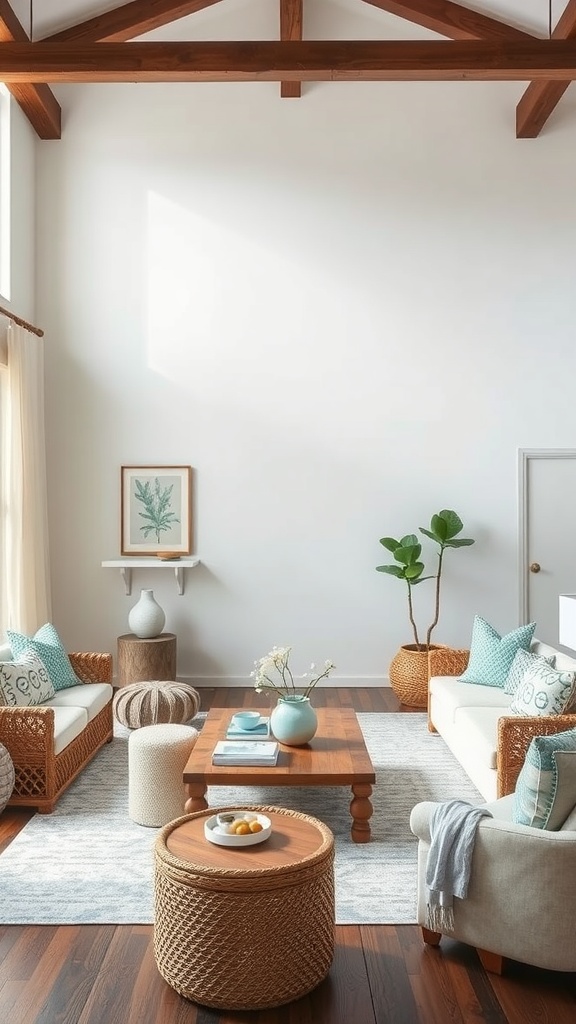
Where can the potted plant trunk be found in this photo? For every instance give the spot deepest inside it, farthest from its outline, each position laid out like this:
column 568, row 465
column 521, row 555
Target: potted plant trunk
column 409, row 668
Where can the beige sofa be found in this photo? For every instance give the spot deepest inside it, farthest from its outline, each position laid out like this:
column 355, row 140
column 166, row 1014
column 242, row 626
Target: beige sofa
column 474, row 721
column 521, row 900
column 51, row 743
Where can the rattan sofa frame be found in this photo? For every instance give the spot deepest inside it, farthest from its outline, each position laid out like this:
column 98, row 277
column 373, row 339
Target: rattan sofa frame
column 28, row 735
column 514, row 732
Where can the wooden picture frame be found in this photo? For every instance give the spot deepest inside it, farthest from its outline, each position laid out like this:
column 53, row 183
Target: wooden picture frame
column 156, row 510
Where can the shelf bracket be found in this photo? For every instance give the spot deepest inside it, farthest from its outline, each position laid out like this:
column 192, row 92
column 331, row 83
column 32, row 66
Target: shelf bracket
column 126, row 574
column 179, row 574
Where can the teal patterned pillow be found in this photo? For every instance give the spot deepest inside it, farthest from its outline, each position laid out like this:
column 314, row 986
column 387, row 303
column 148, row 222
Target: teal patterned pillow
column 544, row 691
column 523, row 660
column 491, row 655
column 537, row 783
column 47, row 645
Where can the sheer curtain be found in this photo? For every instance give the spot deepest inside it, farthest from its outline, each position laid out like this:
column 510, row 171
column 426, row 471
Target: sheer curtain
column 24, row 570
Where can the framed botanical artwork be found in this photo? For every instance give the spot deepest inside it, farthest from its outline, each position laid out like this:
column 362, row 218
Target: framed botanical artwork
column 156, row 510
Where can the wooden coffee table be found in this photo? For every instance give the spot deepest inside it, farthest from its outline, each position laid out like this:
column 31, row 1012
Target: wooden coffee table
column 337, row 756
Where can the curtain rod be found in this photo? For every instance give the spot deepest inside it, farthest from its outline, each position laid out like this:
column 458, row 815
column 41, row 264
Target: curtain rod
column 22, row 323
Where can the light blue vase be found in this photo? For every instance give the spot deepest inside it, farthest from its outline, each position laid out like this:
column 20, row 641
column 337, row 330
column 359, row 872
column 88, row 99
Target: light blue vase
column 293, row 721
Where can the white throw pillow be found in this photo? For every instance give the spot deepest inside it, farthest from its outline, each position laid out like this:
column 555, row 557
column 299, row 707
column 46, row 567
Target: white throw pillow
column 25, row 682
column 544, row 691
column 523, row 660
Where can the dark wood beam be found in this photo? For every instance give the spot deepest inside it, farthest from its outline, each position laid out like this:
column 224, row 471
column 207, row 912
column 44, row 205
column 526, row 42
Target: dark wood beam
column 312, row 61
column 291, row 17
column 129, row 20
column 37, row 102
column 540, row 98
column 450, row 19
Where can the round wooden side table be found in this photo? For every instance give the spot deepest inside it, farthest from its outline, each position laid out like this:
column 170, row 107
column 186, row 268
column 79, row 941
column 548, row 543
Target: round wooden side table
column 244, row 928
column 143, row 659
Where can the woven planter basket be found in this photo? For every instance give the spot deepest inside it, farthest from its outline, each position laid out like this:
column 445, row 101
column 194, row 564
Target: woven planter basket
column 408, row 674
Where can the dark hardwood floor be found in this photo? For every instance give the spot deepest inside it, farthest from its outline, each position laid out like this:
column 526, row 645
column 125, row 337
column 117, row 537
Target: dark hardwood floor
column 106, row 974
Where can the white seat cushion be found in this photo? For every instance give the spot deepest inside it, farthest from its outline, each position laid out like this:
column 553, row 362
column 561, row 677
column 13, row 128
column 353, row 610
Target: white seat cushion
column 452, row 694
column 90, row 696
column 68, row 724
column 478, row 730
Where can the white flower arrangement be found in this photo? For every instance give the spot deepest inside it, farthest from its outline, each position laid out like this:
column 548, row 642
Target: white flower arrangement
column 273, row 673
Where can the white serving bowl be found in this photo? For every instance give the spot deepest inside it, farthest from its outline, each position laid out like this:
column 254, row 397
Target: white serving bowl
column 225, row 839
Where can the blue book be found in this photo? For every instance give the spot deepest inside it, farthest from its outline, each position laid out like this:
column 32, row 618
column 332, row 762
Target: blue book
column 262, row 730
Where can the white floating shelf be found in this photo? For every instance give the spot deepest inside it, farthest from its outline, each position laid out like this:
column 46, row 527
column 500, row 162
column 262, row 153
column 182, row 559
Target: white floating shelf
column 126, row 565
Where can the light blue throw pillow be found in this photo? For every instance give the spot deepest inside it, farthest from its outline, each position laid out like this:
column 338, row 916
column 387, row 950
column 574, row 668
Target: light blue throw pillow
column 544, row 691
column 47, row 645
column 523, row 660
column 537, row 784
column 491, row 655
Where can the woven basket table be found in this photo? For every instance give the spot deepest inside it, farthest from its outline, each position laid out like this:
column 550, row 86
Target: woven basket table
column 244, row 928
column 7, row 777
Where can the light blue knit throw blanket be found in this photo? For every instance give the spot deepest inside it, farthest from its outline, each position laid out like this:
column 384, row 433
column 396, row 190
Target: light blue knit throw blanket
column 452, row 833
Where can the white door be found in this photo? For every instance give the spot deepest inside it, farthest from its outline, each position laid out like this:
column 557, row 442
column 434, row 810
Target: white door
column 547, row 483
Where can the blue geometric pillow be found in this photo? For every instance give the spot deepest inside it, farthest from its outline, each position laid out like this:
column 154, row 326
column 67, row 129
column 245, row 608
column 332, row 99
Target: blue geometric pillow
column 544, row 691
column 47, row 645
column 538, row 780
column 491, row 655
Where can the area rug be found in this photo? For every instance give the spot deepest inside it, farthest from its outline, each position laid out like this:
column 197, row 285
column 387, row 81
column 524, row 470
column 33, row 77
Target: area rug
column 88, row 863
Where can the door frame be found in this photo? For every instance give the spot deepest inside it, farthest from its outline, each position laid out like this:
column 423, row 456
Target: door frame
column 524, row 457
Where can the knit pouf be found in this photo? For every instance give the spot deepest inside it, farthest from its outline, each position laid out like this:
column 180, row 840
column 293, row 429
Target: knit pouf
column 7, row 777
column 157, row 755
column 155, row 701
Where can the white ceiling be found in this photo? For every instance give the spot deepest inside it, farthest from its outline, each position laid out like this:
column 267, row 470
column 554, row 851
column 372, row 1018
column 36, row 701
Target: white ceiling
column 52, row 16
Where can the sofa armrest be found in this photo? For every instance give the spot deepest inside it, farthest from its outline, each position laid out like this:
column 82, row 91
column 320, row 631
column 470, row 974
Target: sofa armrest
column 27, row 733
column 92, row 668
column 514, row 735
column 445, row 661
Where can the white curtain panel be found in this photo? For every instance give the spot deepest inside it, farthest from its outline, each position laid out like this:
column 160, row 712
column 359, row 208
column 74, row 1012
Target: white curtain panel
column 25, row 577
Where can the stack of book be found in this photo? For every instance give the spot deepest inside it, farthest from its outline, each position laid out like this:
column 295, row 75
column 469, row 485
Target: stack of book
column 246, row 752
column 259, row 732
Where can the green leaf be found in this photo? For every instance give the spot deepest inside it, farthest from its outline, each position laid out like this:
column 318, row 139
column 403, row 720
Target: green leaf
column 427, row 533
column 463, row 542
column 409, row 540
column 413, row 572
column 453, row 523
column 408, row 555
column 389, row 543
column 439, row 528
column 392, row 570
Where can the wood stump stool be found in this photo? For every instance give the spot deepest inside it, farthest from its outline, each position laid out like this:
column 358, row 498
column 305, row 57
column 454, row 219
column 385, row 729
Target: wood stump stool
column 141, row 659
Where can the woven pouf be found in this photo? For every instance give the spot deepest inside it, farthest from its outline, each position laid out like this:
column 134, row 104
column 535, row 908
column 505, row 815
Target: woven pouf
column 244, row 928
column 155, row 701
column 157, row 755
column 7, row 777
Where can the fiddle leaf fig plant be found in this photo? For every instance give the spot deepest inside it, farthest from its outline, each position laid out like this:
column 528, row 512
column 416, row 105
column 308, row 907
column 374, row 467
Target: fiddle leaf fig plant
column 444, row 529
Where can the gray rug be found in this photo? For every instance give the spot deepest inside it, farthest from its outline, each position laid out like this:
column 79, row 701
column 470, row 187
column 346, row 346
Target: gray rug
column 87, row 863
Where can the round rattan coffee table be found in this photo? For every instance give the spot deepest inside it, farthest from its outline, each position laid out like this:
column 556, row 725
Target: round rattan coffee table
column 244, row 928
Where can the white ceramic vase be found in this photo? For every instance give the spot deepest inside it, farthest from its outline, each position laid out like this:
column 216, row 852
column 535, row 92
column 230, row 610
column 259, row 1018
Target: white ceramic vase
column 146, row 619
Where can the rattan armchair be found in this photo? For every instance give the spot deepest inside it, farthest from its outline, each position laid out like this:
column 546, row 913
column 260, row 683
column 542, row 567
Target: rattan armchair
column 28, row 734
column 514, row 732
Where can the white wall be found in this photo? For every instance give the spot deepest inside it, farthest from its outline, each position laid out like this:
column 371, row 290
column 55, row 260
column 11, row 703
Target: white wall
column 345, row 312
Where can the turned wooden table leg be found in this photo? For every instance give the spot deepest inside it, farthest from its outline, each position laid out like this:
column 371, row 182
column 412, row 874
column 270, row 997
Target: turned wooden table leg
column 196, row 801
column 361, row 811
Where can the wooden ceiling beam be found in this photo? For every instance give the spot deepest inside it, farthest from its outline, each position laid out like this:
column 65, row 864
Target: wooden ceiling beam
column 450, row 19
column 37, row 102
column 291, row 19
column 129, row 20
column 540, row 98
column 353, row 61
